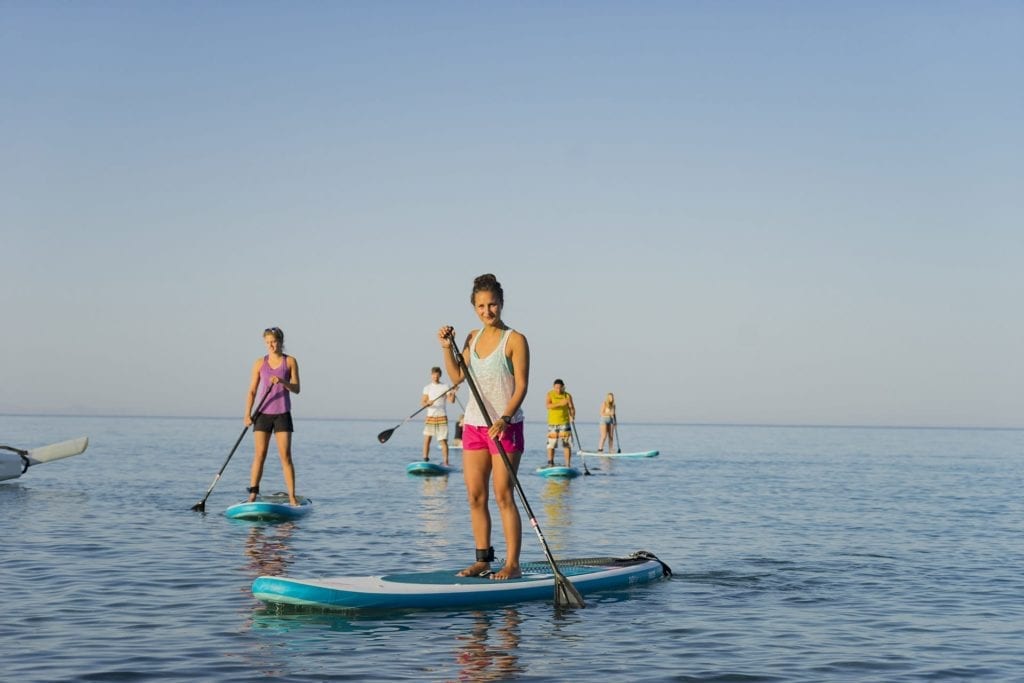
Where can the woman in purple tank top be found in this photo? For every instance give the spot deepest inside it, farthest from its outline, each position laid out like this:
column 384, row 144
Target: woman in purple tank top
column 278, row 374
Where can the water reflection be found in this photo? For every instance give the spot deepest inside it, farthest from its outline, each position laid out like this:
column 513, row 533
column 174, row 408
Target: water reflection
column 267, row 549
column 434, row 486
column 555, row 499
column 489, row 651
column 433, row 512
column 434, row 515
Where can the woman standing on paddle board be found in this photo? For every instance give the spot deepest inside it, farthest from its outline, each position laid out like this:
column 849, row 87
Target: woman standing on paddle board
column 277, row 373
column 607, row 420
column 499, row 359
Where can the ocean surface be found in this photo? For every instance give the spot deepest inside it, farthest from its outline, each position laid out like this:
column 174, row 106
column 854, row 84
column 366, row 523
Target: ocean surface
column 799, row 554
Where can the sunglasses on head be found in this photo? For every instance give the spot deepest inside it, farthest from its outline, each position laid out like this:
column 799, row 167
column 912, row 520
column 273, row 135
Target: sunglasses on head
column 272, row 330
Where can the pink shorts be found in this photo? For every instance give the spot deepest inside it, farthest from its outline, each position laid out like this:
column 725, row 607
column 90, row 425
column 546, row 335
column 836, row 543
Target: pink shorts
column 476, row 439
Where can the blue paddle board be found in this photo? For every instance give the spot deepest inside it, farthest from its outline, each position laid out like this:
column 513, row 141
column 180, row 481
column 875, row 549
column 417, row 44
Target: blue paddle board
column 272, row 508
column 557, row 471
column 427, row 469
column 443, row 589
column 635, row 454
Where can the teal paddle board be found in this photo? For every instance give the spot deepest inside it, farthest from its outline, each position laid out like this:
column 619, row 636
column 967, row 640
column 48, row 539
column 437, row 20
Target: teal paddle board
column 558, row 471
column 427, row 468
column 272, row 508
column 443, row 589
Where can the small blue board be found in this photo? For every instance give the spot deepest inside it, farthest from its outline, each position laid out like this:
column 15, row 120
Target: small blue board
column 272, row 508
column 557, row 471
column 426, row 468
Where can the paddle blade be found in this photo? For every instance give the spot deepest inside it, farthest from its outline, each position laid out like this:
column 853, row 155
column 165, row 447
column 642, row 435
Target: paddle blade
column 386, row 434
column 566, row 594
column 64, row 449
column 199, row 507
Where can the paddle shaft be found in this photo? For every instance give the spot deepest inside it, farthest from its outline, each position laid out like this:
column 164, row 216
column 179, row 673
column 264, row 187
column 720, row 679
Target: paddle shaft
column 615, row 425
column 460, row 362
column 579, row 444
column 202, row 504
column 386, row 434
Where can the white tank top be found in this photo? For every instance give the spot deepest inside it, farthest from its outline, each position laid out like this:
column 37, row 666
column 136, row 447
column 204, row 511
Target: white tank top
column 495, row 382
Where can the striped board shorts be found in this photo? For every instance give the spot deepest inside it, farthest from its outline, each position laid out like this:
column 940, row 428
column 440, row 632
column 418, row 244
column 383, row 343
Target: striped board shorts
column 436, row 427
column 560, row 431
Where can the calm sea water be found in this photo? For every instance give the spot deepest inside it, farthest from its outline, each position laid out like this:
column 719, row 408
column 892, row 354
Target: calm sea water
column 800, row 554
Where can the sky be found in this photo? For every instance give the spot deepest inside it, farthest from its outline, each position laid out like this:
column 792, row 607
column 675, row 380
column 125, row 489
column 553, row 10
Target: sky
column 723, row 212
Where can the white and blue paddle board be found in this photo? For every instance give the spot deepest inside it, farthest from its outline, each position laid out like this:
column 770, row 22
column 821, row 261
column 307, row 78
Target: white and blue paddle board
column 558, row 471
column 443, row 589
column 272, row 508
column 634, row 454
column 427, row 468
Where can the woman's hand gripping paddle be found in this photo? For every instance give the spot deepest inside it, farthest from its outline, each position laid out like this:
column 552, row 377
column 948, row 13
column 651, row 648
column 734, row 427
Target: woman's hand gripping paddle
column 386, row 434
column 201, row 505
column 566, row 594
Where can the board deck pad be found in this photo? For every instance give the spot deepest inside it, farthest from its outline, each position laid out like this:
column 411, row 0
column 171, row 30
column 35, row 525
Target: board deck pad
column 270, row 508
column 442, row 588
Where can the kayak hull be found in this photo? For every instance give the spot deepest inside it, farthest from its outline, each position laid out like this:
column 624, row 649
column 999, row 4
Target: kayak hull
column 14, row 464
column 443, row 589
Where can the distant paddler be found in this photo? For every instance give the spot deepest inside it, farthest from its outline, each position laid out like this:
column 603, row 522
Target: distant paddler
column 561, row 415
column 607, row 422
column 278, row 373
column 435, row 425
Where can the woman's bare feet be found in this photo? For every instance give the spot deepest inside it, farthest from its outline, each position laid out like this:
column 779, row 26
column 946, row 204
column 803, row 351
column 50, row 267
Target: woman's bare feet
column 476, row 569
column 507, row 572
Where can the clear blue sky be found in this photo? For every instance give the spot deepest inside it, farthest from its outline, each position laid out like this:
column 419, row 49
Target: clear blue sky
column 768, row 212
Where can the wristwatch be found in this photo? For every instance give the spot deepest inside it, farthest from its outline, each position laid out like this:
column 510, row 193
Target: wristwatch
column 507, row 419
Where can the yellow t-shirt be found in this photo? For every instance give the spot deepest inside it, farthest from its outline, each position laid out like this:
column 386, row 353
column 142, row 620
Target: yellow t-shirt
column 559, row 415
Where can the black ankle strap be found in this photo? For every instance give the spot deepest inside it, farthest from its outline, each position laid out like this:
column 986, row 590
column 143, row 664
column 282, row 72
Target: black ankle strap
column 485, row 555
column 253, row 489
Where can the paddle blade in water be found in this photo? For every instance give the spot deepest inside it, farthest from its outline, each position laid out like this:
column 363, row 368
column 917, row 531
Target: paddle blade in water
column 199, row 507
column 566, row 594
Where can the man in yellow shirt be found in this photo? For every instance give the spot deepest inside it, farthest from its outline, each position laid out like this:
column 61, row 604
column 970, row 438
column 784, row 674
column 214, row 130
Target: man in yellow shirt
column 561, row 415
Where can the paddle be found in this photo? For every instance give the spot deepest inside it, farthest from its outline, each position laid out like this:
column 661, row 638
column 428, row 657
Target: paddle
column 201, row 505
column 41, row 454
column 579, row 444
column 615, row 425
column 386, row 434
column 566, row 594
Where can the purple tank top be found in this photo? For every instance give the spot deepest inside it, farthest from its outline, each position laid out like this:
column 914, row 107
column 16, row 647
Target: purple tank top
column 280, row 399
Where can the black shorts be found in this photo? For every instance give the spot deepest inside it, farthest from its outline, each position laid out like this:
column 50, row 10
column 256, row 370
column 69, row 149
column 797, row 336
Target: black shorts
column 281, row 422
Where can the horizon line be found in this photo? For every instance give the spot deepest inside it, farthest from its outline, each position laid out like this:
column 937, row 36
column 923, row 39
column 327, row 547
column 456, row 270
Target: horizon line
column 775, row 425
